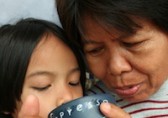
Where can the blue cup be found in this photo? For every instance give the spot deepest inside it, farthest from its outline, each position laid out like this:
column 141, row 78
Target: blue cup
column 85, row 107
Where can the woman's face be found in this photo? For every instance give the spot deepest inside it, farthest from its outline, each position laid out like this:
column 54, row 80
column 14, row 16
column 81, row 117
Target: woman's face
column 134, row 67
column 53, row 75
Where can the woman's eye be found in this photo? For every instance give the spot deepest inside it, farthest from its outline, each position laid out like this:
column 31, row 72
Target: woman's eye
column 130, row 45
column 95, row 51
column 41, row 88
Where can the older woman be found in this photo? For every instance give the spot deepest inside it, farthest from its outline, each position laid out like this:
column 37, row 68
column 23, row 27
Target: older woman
column 126, row 46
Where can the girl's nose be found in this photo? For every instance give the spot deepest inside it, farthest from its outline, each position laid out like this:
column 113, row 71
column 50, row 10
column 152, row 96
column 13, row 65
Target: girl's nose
column 65, row 96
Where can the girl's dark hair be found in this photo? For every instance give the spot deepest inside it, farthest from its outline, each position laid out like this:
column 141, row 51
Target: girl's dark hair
column 17, row 43
column 120, row 15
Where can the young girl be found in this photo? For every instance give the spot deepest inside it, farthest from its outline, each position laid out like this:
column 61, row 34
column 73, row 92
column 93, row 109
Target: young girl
column 37, row 59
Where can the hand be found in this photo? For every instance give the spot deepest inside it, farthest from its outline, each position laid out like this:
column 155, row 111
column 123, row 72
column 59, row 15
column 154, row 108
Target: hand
column 30, row 108
column 112, row 111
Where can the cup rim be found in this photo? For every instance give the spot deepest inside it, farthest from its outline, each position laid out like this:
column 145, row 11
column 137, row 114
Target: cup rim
column 83, row 99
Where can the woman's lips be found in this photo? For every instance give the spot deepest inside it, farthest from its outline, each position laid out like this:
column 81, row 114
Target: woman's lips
column 127, row 91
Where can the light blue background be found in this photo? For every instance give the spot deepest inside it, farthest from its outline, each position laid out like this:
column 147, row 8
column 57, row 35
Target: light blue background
column 14, row 10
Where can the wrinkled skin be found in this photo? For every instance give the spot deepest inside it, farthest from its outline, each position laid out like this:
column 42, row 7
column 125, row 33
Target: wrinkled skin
column 134, row 67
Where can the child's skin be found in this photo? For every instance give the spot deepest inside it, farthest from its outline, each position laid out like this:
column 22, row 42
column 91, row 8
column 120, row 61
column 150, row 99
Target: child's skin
column 51, row 79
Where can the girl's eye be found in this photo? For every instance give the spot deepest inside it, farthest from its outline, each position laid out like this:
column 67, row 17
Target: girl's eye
column 95, row 51
column 41, row 88
column 74, row 83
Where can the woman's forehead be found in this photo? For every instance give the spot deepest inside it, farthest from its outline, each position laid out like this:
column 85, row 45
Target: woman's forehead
column 89, row 24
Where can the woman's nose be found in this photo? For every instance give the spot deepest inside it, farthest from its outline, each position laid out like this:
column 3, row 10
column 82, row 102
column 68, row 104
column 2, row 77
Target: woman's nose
column 64, row 96
column 118, row 64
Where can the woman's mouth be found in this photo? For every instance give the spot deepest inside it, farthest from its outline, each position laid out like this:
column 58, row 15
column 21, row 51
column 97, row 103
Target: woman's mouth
column 127, row 91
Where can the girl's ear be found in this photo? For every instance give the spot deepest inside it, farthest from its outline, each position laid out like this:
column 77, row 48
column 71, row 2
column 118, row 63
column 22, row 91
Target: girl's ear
column 5, row 115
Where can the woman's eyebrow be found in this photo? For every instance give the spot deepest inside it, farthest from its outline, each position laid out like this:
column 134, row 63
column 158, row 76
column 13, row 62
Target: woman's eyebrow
column 90, row 41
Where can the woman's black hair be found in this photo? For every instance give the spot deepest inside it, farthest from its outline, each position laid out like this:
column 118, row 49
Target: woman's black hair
column 17, row 43
column 120, row 15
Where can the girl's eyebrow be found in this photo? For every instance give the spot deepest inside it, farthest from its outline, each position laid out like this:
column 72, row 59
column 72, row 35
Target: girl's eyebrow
column 39, row 73
column 74, row 70
column 47, row 73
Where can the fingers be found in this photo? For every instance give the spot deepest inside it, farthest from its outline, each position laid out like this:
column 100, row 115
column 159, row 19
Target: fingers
column 112, row 111
column 30, row 108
